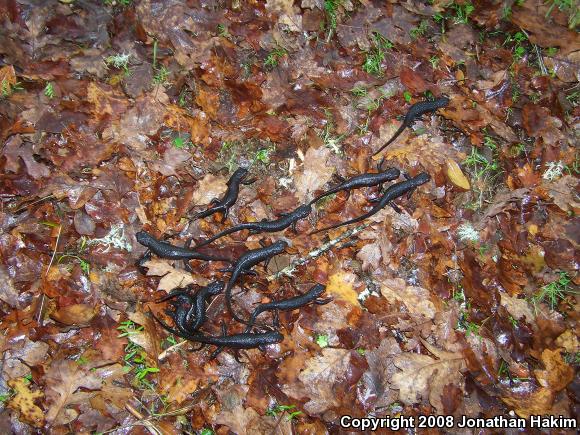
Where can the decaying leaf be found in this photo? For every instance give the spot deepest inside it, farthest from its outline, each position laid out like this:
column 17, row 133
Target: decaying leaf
column 557, row 373
column 146, row 338
column 23, row 402
column 370, row 255
column 315, row 173
column 93, row 97
column 8, row 293
column 569, row 341
column 562, row 192
column 171, row 278
column 63, row 380
column 319, row 376
column 75, row 314
column 424, row 377
column 209, row 187
column 233, row 413
column 518, row 308
column 539, row 400
column 416, row 299
column 341, row 284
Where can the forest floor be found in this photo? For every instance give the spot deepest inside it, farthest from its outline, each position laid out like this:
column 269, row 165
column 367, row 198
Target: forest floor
column 121, row 116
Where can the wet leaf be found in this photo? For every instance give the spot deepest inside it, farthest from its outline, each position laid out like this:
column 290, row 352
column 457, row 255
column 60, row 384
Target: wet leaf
column 456, row 176
column 341, row 284
column 425, row 377
column 23, row 402
column 416, row 299
column 233, row 414
column 75, row 314
column 316, row 172
column 63, row 380
column 319, row 376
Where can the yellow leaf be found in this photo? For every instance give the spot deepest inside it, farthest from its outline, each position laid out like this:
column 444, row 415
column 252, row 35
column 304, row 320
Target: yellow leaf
column 8, row 76
column 534, row 403
column 456, row 175
column 23, row 401
column 341, row 285
column 75, row 314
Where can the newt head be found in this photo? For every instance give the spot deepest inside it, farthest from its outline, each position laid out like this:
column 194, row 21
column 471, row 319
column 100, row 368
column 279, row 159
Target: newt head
column 317, row 290
column 238, row 175
column 279, row 246
column 422, row 178
column 144, row 238
column 442, row 102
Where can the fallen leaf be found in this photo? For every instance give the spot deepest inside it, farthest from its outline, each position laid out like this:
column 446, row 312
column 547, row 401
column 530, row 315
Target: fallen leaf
column 8, row 292
column 147, row 338
column 563, row 192
column 23, row 402
column 320, row 375
column 377, row 379
column 557, row 374
column 341, row 284
column 424, row 377
column 286, row 14
column 416, row 299
column 75, row 314
column 172, row 278
column 316, row 172
column 63, row 378
column 518, row 308
column 456, row 176
column 233, row 414
column 111, row 391
column 104, row 100
column 173, row 157
column 209, row 187
column 532, row 16
column 8, row 75
column 15, row 149
column 370, row 255
column 538, row 402
column 569, row 341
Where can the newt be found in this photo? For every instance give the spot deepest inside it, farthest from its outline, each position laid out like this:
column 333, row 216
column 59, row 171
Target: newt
column 245, row 263
column 362, row 180
column 244, row 340
column 167, row 250
column 311, row 296
column 416, row 111
column 394, row 191
column 182, row 303
column 190, row 320
column 265, row 226
column 224, row 204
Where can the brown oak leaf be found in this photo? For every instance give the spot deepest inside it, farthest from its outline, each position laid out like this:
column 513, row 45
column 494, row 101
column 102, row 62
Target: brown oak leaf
column 63, row 380
column 425, row 377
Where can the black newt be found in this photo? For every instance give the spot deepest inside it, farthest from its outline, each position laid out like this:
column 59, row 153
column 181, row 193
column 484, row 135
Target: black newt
column 415, row 111
column 230, row 197
column 392, row 192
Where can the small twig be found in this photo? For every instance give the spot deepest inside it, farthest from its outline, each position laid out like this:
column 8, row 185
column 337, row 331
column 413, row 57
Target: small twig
column 142, row 420
column 171, row 349
column 290, row 269
column 34, row 202
column 54, row 251
column 541, row 60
